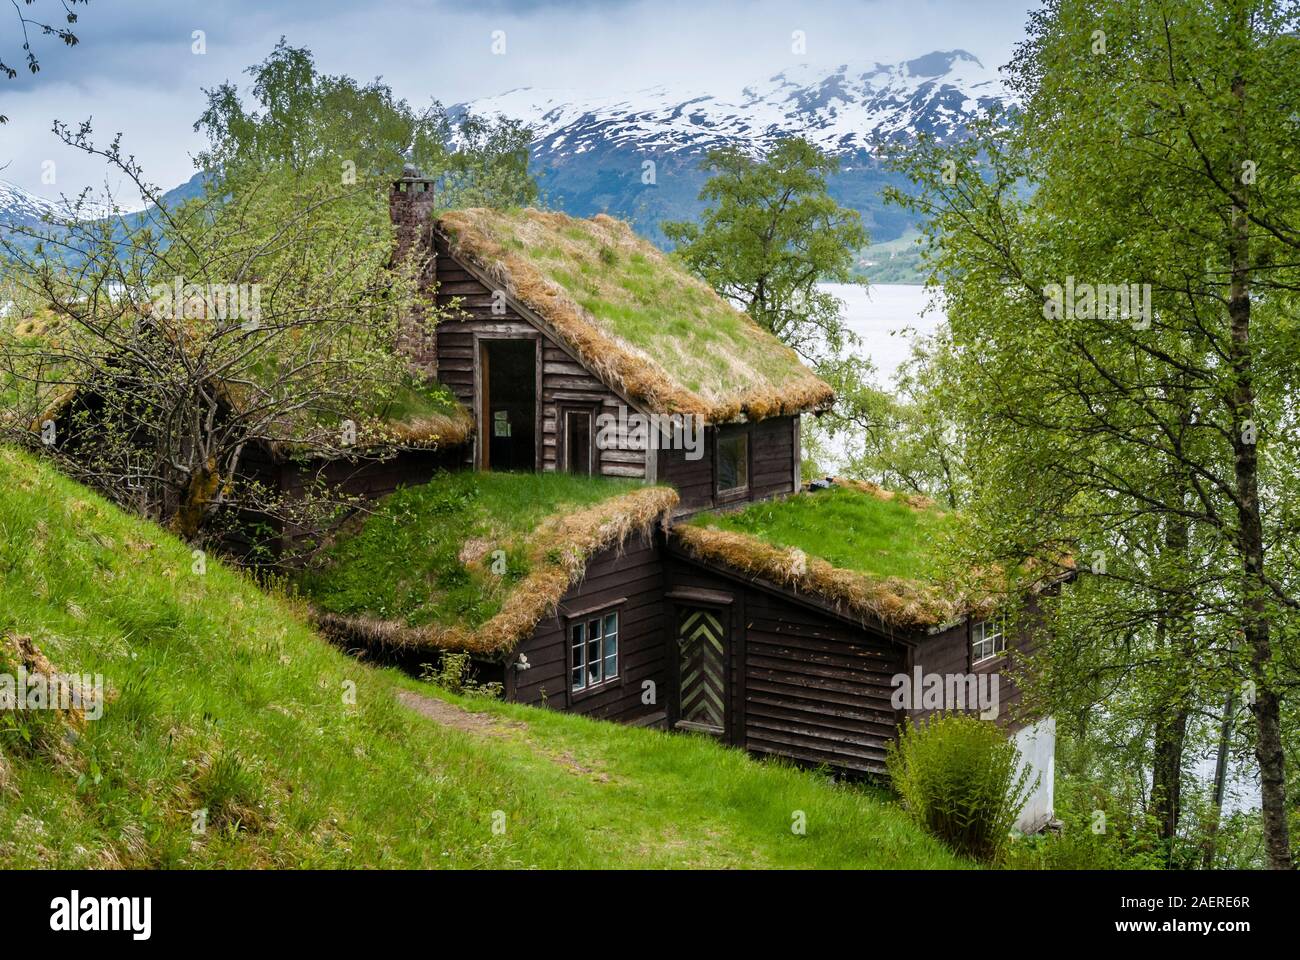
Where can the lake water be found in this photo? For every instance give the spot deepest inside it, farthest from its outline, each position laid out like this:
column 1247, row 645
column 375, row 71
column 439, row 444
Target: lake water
column 887, row 317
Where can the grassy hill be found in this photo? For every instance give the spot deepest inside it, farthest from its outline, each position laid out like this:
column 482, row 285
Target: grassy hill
column 220, row 699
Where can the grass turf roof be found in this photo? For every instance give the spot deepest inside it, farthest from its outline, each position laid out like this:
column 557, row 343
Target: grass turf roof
column 865, row 549
column 635, row 316
column 418, row 571
column 415, row 412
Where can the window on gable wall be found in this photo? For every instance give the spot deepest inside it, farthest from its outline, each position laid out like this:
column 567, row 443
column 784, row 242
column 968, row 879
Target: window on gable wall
column 593, row 650
column 988, row 639
column 733, row 463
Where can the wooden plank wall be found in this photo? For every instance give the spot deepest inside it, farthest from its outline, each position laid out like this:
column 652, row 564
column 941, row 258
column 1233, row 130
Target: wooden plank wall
column 635, row 576
column 817, row 690
column 564, row 381
column 950, row 652
column 804, row 685
column 774, row 465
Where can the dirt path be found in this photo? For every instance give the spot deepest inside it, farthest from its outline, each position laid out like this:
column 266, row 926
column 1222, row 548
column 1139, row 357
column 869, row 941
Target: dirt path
column 450, row 715
column 486, row 725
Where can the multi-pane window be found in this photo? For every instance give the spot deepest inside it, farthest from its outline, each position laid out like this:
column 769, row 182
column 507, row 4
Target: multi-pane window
column 987, row 640
column 733, row 463
column 593, row 650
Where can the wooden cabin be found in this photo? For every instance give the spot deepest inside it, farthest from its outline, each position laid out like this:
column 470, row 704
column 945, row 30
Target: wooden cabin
column 706, row 614
column 629, row 537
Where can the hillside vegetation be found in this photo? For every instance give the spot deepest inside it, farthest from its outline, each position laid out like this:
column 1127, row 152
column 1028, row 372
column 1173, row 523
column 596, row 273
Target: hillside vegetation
column 221, row 700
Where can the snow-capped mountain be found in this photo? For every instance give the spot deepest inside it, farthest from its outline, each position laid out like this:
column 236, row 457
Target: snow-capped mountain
column 590, row 149
column 841, row 108
column 19, row 207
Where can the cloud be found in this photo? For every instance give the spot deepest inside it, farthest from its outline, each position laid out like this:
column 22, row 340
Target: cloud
column 135, row 71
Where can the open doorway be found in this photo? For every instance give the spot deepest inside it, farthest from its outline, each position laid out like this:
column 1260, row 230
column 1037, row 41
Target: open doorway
column 508, row 381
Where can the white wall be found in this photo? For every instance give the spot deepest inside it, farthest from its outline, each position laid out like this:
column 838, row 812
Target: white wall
column 1037, row 746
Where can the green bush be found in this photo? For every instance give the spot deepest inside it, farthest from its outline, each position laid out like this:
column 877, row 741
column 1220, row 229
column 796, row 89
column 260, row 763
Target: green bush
column 455, row 673
column 957, row 777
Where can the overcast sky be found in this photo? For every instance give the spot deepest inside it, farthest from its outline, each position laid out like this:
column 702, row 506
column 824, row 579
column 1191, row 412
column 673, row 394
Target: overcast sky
column 136, row 72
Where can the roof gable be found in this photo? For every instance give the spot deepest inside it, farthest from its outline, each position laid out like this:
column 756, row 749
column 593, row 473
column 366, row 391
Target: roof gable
column 633, row 316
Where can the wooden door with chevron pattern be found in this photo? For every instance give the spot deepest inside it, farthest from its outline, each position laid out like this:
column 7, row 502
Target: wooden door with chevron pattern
column 702, row 670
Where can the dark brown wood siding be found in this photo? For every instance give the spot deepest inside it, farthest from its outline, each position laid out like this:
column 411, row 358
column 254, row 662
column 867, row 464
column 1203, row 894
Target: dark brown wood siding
column 804, row 684
column 774, row 464
column 565, row 382
column 632, row 580
column 949, row 652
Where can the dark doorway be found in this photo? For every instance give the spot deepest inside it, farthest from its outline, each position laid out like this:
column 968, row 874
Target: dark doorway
column 578, row 448
column 509, row 384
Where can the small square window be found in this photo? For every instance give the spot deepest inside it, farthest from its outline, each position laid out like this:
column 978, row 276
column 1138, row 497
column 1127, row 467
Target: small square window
column 987, row 640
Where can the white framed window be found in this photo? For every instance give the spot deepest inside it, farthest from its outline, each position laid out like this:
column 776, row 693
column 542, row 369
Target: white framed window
column 593, row 650
column 988, row 639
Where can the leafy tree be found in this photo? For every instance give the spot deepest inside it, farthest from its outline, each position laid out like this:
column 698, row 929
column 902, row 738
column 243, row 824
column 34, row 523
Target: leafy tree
column 158, row 357
column 313, row 124
column 1153, row 445
column 769, row 237
column 914, row 441
column 771, row 234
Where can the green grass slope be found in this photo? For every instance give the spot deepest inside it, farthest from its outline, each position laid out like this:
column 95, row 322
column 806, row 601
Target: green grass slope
column 220, row 699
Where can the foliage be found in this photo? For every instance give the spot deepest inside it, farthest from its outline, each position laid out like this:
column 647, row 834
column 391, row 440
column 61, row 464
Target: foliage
column 455, row 673
column 911, row 440
column 1093, row 832
column 332, row 129
column 770, row 236
column 958, row 778
column 1156, row 445
column 182, row 339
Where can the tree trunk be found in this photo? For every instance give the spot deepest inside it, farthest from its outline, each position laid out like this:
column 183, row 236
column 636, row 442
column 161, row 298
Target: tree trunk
column 1167, row 776
column 1250, row 539
column 199, row 494
column 1220, row 780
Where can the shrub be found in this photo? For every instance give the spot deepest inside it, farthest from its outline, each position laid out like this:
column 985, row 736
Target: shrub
column 455, row 673
column 957, row 777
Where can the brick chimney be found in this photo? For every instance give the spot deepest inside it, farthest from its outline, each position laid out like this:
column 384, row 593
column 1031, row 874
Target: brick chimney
column 410, row 206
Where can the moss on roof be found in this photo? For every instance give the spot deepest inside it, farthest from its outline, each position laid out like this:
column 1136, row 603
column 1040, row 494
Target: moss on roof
column 472, row 561
column 411, row 411
column 635, row 316
column 867, row 550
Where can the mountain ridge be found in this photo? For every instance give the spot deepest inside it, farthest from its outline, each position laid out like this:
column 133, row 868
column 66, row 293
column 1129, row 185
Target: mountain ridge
column 639, row 155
